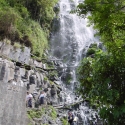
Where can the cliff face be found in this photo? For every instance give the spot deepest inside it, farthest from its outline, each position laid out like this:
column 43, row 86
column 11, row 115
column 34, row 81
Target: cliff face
column 12, row 88
column 19, row 73
column 13, row 92
column 12, row 104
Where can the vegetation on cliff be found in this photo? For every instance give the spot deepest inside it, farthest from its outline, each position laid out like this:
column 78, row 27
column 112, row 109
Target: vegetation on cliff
column 27, row 22
column 45, row 115
column 102, row 78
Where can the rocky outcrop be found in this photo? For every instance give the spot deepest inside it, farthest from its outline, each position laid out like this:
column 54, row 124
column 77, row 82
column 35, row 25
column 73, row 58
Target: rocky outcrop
column 20, row 73
column 13, row 92
column 45, row 115
column 16, row 79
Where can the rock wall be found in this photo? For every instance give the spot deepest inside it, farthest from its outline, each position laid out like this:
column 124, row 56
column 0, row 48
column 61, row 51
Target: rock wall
column 15, row 80
column 12, row 104
column 12, row 87
column 12, row 95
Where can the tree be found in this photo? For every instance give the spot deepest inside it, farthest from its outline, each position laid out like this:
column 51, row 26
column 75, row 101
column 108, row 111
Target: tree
column 108, row 18
column 27, row 22
column 105, row 82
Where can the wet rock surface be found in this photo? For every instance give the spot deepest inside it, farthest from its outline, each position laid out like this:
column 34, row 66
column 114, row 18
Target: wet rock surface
column 16, row 80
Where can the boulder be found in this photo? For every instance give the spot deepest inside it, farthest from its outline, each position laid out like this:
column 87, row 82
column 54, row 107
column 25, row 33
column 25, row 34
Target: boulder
column 32, row 79
column 4, row 70
column 24, row 55
column 38, row 78
column 22, row 71
column 14, row 53
column 5, row 49
column 41, row 77
column 11, row 71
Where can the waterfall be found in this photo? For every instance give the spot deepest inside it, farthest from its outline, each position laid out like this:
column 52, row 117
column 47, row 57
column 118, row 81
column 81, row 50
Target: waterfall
column 69, row 39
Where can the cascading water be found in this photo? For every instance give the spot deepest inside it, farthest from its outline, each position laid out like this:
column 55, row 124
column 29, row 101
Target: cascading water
column 70, row 37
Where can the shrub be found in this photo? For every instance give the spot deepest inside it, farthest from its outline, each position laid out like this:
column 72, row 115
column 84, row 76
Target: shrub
column 53, row 113
column 90, row 51
column 19, row 22
column 8, row 20
column 7, row 41
column 16, row 45
column 64, row 121
column 93, row 45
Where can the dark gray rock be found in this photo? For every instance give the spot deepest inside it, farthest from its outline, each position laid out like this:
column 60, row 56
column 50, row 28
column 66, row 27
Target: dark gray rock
column 32, row 79
column 3, row 71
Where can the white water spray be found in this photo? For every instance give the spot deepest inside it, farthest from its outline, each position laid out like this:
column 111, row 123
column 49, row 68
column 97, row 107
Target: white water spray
column 68, row 44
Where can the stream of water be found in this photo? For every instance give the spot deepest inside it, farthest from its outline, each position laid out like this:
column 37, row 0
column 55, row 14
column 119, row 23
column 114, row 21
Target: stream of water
column 68, row 44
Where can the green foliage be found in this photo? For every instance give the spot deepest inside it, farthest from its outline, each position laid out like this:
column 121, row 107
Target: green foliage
column 38, row 38
column 115, row 114
column 38, row 113
column 93, row 45
column 52, row 83
column 90, row 51
column 68, row 78
column 64, row 121
column 45, row 78
column 35, row 113
column 52, row 74
column 49, row 64
column 7, row 28
column 56, row 10
column 7, row 41
column 29, row 116
column 104, row 81
column 22, row 47
column 3, row 3
column 42, row 12
column 84, row 76
column 53, row 113
column 26, row 25
column 29, row 124
column 16, row 45
column 108, row 19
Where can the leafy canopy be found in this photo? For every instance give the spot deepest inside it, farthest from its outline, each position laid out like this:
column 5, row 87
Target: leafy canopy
column 27, row 22
column 103, row 78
